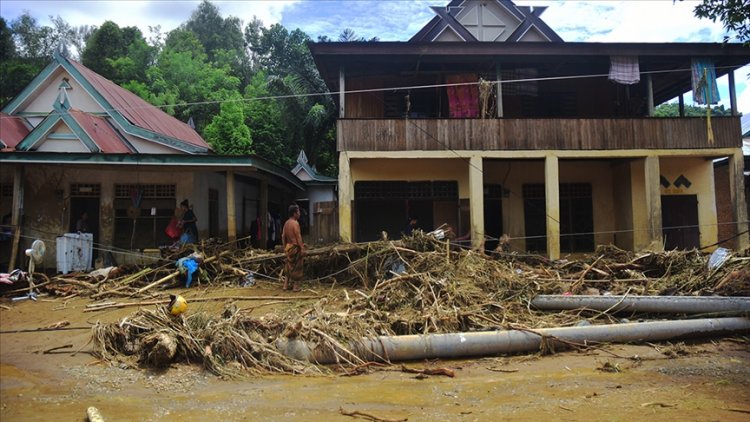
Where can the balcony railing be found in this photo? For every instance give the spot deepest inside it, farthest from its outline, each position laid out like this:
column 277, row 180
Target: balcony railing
column 536, row 134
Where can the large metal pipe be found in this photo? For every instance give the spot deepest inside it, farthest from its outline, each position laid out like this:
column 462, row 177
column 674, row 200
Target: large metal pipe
column 650, row 304
column 463, row 345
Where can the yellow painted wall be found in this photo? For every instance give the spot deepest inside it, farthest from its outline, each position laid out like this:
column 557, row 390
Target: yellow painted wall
column 413, row 170
column 514, row 174
column 700, row 173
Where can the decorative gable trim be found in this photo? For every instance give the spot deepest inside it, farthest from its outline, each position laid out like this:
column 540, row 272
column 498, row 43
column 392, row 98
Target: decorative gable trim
column 41, row 132
column 13, row 105
column 446, row 19
column 124, row 123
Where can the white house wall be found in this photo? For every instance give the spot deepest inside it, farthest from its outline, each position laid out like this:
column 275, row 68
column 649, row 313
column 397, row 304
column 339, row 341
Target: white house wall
column 49, row 92
column 149, row 147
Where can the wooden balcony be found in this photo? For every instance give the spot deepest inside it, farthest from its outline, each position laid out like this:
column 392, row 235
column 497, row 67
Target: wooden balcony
column 536, row 134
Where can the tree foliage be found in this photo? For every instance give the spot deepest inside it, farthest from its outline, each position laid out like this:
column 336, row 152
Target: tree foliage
column 673, row 110
column 733, row 14
column 248, row 88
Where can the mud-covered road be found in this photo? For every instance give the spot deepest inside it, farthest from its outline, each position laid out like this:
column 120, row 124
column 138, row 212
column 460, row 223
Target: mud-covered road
column 704, row 381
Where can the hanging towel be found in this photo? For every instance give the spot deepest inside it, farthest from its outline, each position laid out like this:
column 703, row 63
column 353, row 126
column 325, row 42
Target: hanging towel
column 705, row 90
column 624, row 70
column 463, row 98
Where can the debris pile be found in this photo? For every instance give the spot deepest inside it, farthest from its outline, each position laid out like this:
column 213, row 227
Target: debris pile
column 418, row 285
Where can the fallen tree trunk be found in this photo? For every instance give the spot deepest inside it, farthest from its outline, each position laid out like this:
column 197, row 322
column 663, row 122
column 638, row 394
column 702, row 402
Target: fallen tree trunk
column 647, row 304
column 463, row 345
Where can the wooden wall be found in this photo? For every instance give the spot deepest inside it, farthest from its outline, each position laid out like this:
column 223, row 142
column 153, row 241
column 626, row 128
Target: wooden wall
column 535, row 134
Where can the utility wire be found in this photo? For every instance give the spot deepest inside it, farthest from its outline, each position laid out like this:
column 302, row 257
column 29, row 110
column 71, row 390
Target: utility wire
column 370, row 90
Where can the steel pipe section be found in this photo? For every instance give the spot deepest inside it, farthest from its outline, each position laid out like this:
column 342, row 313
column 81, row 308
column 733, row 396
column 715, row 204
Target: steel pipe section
column 646, row 304
column 465, row 345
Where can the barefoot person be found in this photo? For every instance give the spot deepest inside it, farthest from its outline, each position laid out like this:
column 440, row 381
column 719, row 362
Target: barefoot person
column 291, row 237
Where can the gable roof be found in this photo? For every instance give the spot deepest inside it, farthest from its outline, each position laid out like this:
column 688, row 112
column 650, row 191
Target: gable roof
column 446, row 20
column 315, row 178
column 129, row 113
column 101, row 132
column 12, row 130
column 137, row 111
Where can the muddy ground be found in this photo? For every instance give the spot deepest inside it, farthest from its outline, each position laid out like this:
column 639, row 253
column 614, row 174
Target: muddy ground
column 701, row 381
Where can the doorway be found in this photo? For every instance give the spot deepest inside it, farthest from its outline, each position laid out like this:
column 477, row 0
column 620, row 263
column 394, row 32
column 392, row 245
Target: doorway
column 90, row 205
column 679, row 222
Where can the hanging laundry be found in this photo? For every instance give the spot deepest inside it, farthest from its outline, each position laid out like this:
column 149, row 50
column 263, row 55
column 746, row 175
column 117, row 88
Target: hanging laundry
column 624, row 70
column 463, row 100
column 705, row 90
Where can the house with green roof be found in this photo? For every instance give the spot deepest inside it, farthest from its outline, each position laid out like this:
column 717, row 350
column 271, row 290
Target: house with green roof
column 73, row 141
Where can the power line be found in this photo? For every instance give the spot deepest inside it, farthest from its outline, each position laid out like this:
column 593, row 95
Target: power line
column 370, row 90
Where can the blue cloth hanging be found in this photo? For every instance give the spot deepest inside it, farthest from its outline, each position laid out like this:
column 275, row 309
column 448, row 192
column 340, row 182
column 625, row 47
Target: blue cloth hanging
column 705, row 90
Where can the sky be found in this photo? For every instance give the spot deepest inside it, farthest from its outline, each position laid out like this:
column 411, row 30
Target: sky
column 398, row 20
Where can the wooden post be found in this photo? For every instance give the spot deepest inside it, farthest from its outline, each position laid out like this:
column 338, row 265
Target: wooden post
column 682, row 105
column 552, row 199
column 650, row 93
column 346, row 197
column 342, row 93
column 231, row 209
column 737, row 194
column 653, row 202
column 263, row 214
column 732, row 94
column 476, row 202
column 17, row 214
column 498, row 78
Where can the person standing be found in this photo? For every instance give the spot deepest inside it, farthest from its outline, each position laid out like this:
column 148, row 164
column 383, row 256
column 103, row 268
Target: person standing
column 291, row 237
column 188, row 224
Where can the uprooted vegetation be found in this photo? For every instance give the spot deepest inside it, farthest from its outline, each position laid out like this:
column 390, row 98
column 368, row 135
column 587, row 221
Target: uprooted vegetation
column 417, row 285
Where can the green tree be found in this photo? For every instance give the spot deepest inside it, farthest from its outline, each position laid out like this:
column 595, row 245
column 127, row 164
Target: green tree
column 7, row 46
column 264, row 117
column 105, row 43
column 733, row 14
column 32, row 41
column 227, row 133
column 673, row 110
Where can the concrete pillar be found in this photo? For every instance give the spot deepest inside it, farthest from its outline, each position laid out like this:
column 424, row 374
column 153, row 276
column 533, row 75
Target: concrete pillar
column 231, row 209
column 263, row 213
column 476, row 202
column 652, row 191
column 737, row 193
column 552, row 198
column 346, row 197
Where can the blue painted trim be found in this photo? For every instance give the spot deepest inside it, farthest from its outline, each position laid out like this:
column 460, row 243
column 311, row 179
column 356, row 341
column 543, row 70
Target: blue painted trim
column 77, row 129
column 64, row 136
column 125, row 123
column 39, row 132
column 32, row 86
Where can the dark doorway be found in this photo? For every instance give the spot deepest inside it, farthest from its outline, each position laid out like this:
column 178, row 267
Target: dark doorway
column 493, row 215
column 576, row 218
column 679, row 221
column 213, row 213
column 91, row 206
column 535, row 217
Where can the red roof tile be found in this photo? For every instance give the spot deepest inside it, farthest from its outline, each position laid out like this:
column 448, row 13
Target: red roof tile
column 101, row 132
column 12, row 130
column 138, row 111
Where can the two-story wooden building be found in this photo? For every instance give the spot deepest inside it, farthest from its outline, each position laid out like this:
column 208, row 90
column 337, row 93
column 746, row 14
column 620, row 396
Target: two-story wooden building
column 488, row 121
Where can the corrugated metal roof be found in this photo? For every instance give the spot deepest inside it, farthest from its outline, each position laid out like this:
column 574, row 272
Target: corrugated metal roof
column 12, row 130
column 138, row 111
column 101, row 132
